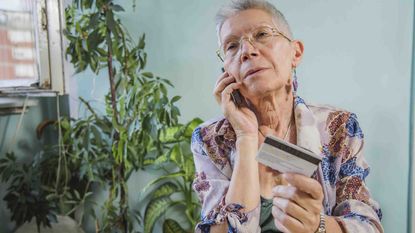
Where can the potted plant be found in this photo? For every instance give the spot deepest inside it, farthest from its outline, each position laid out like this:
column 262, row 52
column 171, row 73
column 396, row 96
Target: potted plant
column 140, row 129
column 174, row 189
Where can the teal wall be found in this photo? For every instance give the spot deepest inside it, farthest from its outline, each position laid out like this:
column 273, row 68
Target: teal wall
column 357, row 56
column 411, row 183
column 360, row 59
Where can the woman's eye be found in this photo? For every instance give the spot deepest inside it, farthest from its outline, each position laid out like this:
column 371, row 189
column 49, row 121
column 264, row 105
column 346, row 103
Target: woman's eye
column 231, row 46
column 260, row 35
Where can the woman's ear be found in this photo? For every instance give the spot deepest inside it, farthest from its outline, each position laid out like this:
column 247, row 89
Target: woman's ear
column 298, row 47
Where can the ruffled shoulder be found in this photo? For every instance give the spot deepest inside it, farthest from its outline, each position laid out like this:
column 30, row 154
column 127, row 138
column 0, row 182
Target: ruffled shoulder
column 344, row 137
column 218, row 139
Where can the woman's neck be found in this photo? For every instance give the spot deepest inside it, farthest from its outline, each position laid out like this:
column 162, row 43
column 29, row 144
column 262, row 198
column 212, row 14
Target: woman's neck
column 274, row 113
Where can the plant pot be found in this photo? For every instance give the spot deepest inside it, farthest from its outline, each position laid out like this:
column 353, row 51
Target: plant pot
column 65, row 224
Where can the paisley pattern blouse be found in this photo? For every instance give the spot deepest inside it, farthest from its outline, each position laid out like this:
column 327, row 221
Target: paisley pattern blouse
column 332, row 133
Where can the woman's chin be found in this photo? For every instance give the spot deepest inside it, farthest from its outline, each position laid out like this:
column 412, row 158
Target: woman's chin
column 259, row 90
column 261, row 86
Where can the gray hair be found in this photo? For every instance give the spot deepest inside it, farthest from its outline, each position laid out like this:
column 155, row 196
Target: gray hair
column 240, row 5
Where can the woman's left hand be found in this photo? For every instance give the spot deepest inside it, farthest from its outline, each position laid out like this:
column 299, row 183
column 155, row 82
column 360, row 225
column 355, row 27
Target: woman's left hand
column 297, row 207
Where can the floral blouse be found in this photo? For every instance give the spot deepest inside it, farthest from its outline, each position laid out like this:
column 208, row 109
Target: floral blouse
column 332, row 133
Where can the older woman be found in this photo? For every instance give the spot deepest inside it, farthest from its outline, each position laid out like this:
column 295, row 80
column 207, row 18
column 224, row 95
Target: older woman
column 238, row 194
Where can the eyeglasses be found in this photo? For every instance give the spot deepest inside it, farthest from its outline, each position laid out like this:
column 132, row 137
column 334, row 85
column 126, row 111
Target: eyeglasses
column 259, row 36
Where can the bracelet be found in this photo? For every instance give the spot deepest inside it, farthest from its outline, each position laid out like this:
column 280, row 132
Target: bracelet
column 322, row 227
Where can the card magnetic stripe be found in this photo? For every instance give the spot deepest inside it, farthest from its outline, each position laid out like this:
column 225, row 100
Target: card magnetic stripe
column 289, row 149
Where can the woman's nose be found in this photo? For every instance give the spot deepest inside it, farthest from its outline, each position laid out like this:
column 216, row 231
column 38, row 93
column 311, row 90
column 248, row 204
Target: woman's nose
column 247, row 50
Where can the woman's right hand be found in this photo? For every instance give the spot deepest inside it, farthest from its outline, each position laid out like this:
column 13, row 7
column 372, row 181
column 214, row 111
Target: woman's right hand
column 242, row 119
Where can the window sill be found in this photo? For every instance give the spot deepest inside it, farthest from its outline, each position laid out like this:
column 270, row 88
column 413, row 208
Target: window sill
column 14, row 102
column 26, row 91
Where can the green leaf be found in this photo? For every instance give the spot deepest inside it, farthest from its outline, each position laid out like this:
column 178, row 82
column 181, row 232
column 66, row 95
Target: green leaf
column 167, row 82
column 161, row 159
column 94, row 39
column 93, row 22
column 168, row 135
column 163, row 89
column 52, row 196
column 71, row 202
column 77, row 195
column 117, row 7
column 175, row 112
column 142, row 43
column 103, row 53
column 86, row 4
column 154, row 210
column 94, row 64
column 143, row 61
column 191, row 126
column 122, row 106
column 165, row 189
column 189, row 169
column 176, row 155
column 171, row 226
column 111, row 24
column 97, row 135
column 148, row 74
column 148, row 162
column 175, row 99
column 169, row 176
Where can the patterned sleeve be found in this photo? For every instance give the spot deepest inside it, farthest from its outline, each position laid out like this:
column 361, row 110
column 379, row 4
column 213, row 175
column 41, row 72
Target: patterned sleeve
column 355, row 209
column 211, row 185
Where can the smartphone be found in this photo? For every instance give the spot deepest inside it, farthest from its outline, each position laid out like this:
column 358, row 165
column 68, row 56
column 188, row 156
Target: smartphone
column 237, row 97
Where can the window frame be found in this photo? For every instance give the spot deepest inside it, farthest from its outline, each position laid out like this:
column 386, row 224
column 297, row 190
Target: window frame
column 49, row 23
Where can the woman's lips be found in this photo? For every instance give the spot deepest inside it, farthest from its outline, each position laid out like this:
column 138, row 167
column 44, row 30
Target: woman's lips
column 256, row 72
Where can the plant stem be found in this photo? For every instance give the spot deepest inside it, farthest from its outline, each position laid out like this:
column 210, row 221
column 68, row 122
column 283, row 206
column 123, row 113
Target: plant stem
column 121, row 165
column 123, row 197
column 89, row 107
column 112, row 82
column 126, row 54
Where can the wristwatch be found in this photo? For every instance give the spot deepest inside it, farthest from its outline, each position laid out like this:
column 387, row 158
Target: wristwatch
column 322, row 227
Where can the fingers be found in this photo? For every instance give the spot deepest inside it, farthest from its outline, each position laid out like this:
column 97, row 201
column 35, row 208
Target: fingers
column 223, row 81
column 226, row 93
column 221, row 77
column 285, row 222
column 291, row 209
column 295, row 195
column 295, row 210
column 305, row 184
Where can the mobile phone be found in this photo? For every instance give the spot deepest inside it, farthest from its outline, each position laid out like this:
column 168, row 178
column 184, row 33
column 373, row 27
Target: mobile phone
column 237, row 97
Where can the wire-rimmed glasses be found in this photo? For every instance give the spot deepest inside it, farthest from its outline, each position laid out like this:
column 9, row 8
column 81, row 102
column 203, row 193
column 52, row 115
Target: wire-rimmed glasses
column 259, row 36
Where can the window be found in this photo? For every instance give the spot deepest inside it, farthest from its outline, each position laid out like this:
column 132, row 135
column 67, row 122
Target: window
column 31, row 51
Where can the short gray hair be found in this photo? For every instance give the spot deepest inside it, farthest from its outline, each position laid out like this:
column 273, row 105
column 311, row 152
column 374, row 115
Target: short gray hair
column 236, row 6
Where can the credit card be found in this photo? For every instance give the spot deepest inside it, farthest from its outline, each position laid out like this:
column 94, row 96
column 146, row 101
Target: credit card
column 287, row 157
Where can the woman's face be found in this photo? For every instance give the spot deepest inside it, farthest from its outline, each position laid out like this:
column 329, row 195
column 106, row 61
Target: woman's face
column 271, row 63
